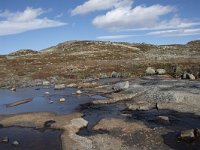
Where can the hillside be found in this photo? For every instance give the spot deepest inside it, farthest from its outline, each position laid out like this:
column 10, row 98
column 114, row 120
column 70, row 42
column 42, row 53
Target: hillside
column 73, row 61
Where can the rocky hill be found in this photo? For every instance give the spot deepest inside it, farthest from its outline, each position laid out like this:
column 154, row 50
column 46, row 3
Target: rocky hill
column 23, row 52
column 73, row 61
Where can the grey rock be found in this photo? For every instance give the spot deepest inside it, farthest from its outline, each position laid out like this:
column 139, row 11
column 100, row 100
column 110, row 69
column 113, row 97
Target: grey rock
column 115, row 74
column 187, row 135
column 163, row 119
column 120, row 86
column 13, row 89
column 103, row 76
column 5, row 140
column 188, row 76
column 141, row 106
column 79, row 123
column 150, row 71
column 72, row 85
column 59, row 87
column 191, row 76
column 161, row 71
column 15, row 143
column 46, row 83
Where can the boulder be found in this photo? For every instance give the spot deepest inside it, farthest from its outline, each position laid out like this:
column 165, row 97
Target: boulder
column 115, row 74
column 187, row 135
column 188, row 76
column 120, row 86
column 79, row 123
column 191, row 76
column 150, row 71
column 59, row 87
column 46, row 83
column 161, row 71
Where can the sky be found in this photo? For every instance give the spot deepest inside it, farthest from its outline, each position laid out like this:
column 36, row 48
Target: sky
column 38, row 24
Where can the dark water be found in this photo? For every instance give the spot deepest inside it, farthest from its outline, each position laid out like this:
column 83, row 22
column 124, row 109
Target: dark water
column 94, row 113
column 41, row 102
column 31, row 139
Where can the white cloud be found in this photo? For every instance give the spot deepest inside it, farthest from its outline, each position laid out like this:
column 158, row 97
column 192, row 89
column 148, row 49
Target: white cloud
column 122, row 16
column 18, row 22
column 96, row 5
column 138, row 17
column 176, row 32
column 116, row 37
column 160, row 33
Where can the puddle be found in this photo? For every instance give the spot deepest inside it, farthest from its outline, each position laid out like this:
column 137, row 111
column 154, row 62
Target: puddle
column 42, row 102
column 31, row 139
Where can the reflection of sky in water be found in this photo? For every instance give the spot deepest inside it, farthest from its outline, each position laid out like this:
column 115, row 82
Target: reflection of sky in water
column 41, row 102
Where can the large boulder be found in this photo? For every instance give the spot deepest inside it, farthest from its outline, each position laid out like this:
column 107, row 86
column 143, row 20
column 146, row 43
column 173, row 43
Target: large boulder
column 150, row 71
column 120, row 86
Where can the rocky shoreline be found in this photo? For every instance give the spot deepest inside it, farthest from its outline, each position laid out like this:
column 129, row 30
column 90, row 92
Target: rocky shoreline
column 148, row 94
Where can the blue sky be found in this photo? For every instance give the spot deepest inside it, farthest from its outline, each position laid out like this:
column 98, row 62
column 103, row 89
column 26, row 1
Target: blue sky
column 38, row 24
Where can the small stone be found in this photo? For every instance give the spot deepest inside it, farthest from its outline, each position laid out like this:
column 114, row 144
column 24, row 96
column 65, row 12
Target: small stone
column 79, row 92
column 13, row 89
column 15, row 143
column 150, row 71
column 103, row 76
column 187, row 135
column 59, row 87
column 161, row 71
column 163, row 119
column 120, row 86
column 72, row 85
column 191, row 76
column 46, row 93
column 5, row 140
column 50, row 102
column 115, row 74
column 46, row 83
column 62, row 100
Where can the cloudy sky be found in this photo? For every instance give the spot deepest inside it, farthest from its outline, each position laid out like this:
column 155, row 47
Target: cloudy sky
column 38, row 24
